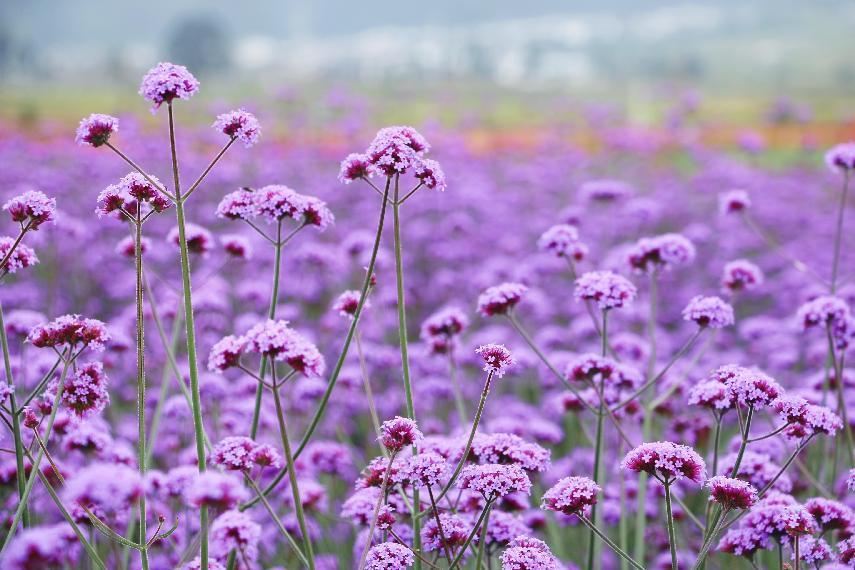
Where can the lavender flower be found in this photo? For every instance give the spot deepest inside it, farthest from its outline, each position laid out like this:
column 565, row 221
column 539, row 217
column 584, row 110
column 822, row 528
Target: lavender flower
column 497, row 358
column 96, row 130
column 710, row 312
column 501, row 299
column 241, row 125
column 666, row 460
column 608, row 290
column 841, row 158
column 31, row 209
column 166, row 82
column 242, row 454
column 571, row 495
column 660, row 253
column 525, row 553
column 731, row 493
column 389, row 556
column 398, row 433
column 494, row 481
column 734, row 201
column 563, row 241
column 741, row 275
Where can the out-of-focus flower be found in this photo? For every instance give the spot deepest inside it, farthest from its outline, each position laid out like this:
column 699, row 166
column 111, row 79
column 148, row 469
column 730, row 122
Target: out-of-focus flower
column 500, row 299
column 710, row 312
column 605, row 288
column 96, row 130
column 734, row 201
column 571, row 495
column 661, row 252
column 31, row 209
column 741, row 275
column 841, row 158
column 562, row 240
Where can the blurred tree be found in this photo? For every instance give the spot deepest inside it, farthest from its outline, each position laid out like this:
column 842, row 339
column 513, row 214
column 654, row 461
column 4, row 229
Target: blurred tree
column 201, row 43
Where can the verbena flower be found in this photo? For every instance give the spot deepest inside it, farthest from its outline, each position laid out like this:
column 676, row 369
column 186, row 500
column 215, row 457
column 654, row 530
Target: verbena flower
column 710, row 312
column 239, row 124
column 226, row 353
column 31, row 209
column 841, row 158
column 711, row 394
column 734, row 201
column 731, row 493
column 605, row 288
column 453, row 534
column 571, row 495
column 508, row 448
column 814, row 551
column 111, row 488
column 497, row 358
column 234, row 530
column 48, row 546
column 661, row 252
column 741, row 275
column 823, row 311
column 605, row 190
column 96, row 130
column 562, row 240
column 398, row 433
column 831, row 514
column 85, row 391
column 354, row 167
column 500, row 299
column 70, row 332
column 277, row 340
column 236, row 246
column 666, row 460
column 199, row 240
column 240, row 453
column 395, row 150
column 493, row 481
column 749, row 387
column 217, row 490
column 389, row 556
column 423, row 470
column 347, row 303
column 166, row 82
column 22, row 258
column 526, row 553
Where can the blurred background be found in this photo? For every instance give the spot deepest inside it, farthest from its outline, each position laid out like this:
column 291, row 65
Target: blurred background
column 62, row 58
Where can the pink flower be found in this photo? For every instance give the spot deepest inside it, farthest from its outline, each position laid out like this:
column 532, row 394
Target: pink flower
column 500, row 299
column 239, row 124
column 666, row 460
column 96, row 129
column 710, row 312
column 389, row 556
column 242, row 454
column 70, row 332
column 31, row 209
column 571, row 495
column 165, row 82
column 497, row 358
column 216, row 490
column 398, row 433
column 354, row 167
column 430, row 174
column 731, row 493
column 822, row 311
column 395, row 150
column 525, row 553
column 22, row 258
column 236, row 246
column 711, row 394
column 493, row 481
column 453, row 534
column 226, row 353
column 605, row 288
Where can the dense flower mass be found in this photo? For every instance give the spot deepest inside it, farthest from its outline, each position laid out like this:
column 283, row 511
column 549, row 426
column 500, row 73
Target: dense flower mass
column 571, row 495
column 238, row 453
column 605, row 288
column 85, row 392
column 165, row 82
column 96, row 129
column 731, row 493
column 21, row 257
column 31, row 209
column 493, row 481
column 389, row 556
column 666, row 460
column 241, row 125
column 70, row 332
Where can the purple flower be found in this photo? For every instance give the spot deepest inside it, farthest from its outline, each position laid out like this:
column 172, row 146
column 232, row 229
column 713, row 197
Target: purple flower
column 22, row 258
column 165, row 82
column 85, row 391
column 500, row 299
column 752, row 388
column 830, row 514
column 841, row 158
column 731, row 493
column 226, row 353
column 70, row 332
column 389, row 556
column 54, row 546
column 497, row 358
column 276, row 339
column 734, row 201
column 660, row 253
column 741, row 275
column 111, row 488
column 234, row 530
column 814, row 551
column 430, row 174
column 822, row 311
column 571, row 495
column 710, row 312
column 711, row 394
column 493, row 481
column 666, row 460
column 508, row 448
column 605, row 190
column 354, row 167
column 453, row 534
column 239, row 124
column 236, row 246
column 242, row 454
column 607, row 289
column 31, row 209
column 423, row 470
column 398, row 433
column 562, row 240
column 96, row 129
column 526, row 553
column 347, row 303
column 216, row 490
column 395, row 150
column 199, row 240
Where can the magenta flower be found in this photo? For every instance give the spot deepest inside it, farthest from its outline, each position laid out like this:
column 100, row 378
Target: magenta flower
column 234, row 530
column 354, row 167
column 23, row 257
column 165, row 82
column 389, row 556
column 710, row 312
column 666, row 460
column 500, row 299
column 70, row 332
column 239, row 453
column 493, row 481
column 199, row 240
column 734, row 201
column 841, row 158
column 430, row 174
column 239, row 124
column 741, row 275
column 562, row 240
column 712, row 394
column 85, row 391
column 216, row 490
column 277, row 340
column 347, row 303
column 571, row 495
column 497, row 358
column 661, row 252
column 750, row 387
column 236, row 246
column 423, row 470
column 508, row 448
column 605, row 288
column 731, row 493
column 398, row 433
column 525, row 553
column 226, row 353
column 453, row 534
column 395, row 150
column 96, row 130
column 31, row 209
column 46, row 546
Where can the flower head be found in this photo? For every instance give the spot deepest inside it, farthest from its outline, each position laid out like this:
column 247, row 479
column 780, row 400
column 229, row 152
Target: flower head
column 712, row 394
column 144, row 189
column 239, row 124
column 398, row 433
column 239, row 453
column 199, row 240
column 666, row 460
column 165, row 82
column 70, row 332
column 354, row 167
column 236, row 246
column 734, row 201
column 234, row 530
column 563, row 241
column 216, row 490
column 53, row 546
column 741, row 275
column 24, row 256
column 276, row 339
column 497, row 358
column 96, row 129
column 430, row 174
column 660, row 252
column 500, row 299
column 571, row 495
column 395, row 150
column 710, row 312
column 226, row 353
column 526, row 553
column 493, row 481
column 451, row 532
column 822, row 311
column 749, row 387
column 731, row 493
column 841, row 158
column 31, row 209
column 389, row 556
column 85, row 391
column 605, row 288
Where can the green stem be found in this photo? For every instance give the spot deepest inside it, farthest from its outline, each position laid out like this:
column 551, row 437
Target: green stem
column 744, row 443
column 672, row 539
column 482, row 542
column 190, row 326
column 20, row 475
column 839, row 233
column 271, row 314
column 370, row 540
column 341, row 357
column 141, row 422
column 292, row 471
column 609, row 542
column 484, row 514
column 282, row 530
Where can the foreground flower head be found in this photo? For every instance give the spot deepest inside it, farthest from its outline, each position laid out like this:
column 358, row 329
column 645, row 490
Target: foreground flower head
column 497, row 358
column 493, row 481
column 526, row 553
column 731, row 493
column 31, row 209
column 710, row 312
column 395, row 150
column 167, row 81
column 85, row 391
column 278, row 340
column 398, row 433
column 605, row 288
column 23, row 257
column 354, row 167
column 841, row 158
column 240, row 453
column 70, row 332
column 96, row 130
column 500, row 299
column 666, row 460
column 389, row 556
column 571, row 495
column 751, row 388
column 241, row 125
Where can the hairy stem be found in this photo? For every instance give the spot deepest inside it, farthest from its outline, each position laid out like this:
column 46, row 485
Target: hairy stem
column 20, row 475
column 141, row 422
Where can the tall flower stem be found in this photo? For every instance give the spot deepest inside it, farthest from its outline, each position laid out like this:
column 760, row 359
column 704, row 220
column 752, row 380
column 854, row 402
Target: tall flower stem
column 20, row 475
column 482, row 541
column 838, row 236
column 672, row 538
column 593, row 544
column 609, row 542
column 373, row 525
column 744, row 443
column 282, row 530
column 190, row 326
column 455, row 385
column 141, row 422
column 316, row 419
column 484, row 514
column 291, row 466
column 837, row 365
column 34, row 470
column 366, row 384
column 271, row 314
